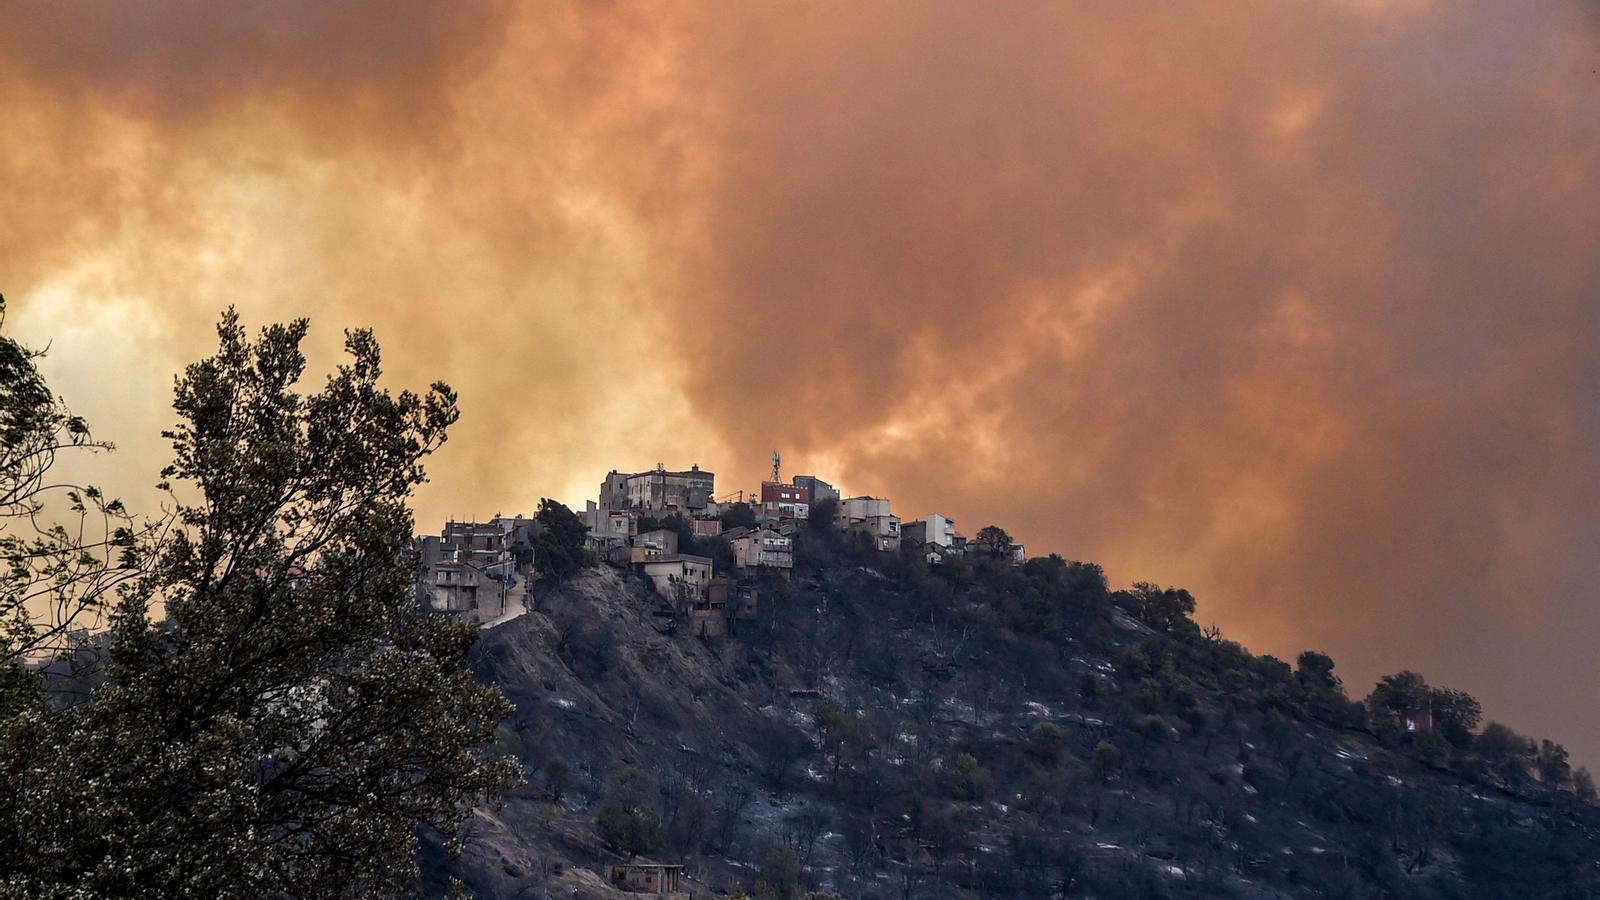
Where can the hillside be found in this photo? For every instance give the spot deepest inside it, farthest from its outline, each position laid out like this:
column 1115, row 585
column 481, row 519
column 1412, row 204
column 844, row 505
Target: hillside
column 985, row 731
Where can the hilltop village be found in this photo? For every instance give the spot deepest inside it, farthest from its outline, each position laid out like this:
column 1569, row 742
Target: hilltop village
column 705, row 555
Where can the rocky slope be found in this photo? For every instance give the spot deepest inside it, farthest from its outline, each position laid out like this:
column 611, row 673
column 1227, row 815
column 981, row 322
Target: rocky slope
column 986, row 731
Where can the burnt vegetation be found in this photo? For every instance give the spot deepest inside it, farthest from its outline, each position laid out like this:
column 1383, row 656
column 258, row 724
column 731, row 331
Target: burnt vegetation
column 984, row 729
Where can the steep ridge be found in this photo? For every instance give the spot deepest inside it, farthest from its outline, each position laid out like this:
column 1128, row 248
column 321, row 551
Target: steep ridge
column 979, row 730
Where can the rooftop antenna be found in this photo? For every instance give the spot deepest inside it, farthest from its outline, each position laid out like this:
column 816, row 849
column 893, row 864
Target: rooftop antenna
column 777, row 461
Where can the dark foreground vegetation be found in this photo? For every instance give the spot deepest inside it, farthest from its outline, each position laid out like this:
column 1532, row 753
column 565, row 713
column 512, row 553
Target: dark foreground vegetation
column 270, row 717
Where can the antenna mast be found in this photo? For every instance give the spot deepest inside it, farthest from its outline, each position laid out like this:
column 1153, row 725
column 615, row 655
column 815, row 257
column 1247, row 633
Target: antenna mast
column 776, row 463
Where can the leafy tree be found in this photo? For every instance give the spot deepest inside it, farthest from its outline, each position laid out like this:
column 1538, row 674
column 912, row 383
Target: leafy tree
column 1047, row 743
column 969, row 780
column 780, row 874
column 627, row 819
column 558, row 546
column 1551, row 763
column 1152, row 728
column 738, row 515
column 1431, row 747
column 293, row 722
column 1583, row 785
column 1400, row 696
column 996, row 539
column 54, row 576
column 557, row 774
column 842, row 732
column 1456, row 715
column 1505, row 750
column 1105, row 760
column 1164, row 609
column 1314, row 671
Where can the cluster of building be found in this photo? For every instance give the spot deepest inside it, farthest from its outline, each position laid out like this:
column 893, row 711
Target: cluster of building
column 484, row 571
column 480, row 571
column 626, row 526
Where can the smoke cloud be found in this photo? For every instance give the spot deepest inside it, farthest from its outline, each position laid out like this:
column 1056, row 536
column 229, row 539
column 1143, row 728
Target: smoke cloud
column 1298, row 307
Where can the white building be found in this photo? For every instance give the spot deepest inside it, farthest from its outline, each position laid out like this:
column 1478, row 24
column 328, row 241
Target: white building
column 935, row 529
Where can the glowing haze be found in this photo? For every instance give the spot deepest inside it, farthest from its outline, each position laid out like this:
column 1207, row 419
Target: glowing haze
column 1298, row 307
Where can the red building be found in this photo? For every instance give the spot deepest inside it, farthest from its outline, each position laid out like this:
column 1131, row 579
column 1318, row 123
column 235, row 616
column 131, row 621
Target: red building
column 783, row 501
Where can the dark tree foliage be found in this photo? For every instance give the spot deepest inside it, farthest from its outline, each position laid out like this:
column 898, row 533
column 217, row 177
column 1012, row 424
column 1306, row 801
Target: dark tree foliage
column 780, row 877
column 557, row 774
column 627, row 820
column 558, row 545
column 1583, row 785
column 820, row 520
column 292, row 722
column 1431, row 747
column 738, row 515
column 1164, row 609
column 1456, row 715
column 1551, row 762
column 1400, row 695
column 843, row 734
column 1315, row 673
column 995, row 539
column 1504, row 750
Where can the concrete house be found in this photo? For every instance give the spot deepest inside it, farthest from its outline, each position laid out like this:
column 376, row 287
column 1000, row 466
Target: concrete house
column 642, row 877
column 739, row 599
column 935, row 529
column 679, row 578
column 658, row 491
column 609, row 528
column 783, row 502
column 870, row 516
column 763, row 547
column 477, row 571
column 658, row 544
column 820, row 490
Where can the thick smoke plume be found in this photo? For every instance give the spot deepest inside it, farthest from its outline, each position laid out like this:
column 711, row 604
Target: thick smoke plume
column 1296, row 306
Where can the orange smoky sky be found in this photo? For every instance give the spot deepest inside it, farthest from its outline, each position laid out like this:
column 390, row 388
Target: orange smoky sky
column 1296, row 305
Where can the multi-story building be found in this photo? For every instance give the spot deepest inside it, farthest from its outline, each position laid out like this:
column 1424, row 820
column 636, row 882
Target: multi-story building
column 869, row 516
column 659, row 492
column 680, row 578
column 609, row 528
column 479, row 571
column 658, row 544
column 737, row 598
column 763, row 547
column 782, row 503
column 819, row 490
column 935, row 529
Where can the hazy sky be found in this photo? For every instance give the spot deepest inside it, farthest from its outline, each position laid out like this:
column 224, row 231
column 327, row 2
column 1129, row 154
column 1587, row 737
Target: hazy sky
column 1296, row 306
